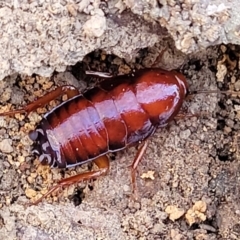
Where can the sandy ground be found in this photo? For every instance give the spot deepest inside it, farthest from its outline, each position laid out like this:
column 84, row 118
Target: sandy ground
column 46, row 36
column 188, row 181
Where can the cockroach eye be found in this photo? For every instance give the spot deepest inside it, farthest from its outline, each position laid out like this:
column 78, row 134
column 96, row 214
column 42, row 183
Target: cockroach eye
column 33, row 135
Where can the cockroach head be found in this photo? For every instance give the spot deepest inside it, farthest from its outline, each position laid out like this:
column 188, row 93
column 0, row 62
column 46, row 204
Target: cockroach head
column 41, row 146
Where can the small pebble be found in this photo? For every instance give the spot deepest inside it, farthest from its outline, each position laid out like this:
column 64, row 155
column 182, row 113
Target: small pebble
column 185, row 134
column 174, row 212
column 30, row 193
column 237, row 85
column 6, row 146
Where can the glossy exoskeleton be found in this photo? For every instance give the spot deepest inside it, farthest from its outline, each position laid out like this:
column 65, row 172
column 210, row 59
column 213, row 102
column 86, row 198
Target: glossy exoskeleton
column 119, row 112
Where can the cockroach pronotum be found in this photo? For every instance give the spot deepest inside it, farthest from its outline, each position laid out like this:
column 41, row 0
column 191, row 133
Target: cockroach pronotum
column 119, row 112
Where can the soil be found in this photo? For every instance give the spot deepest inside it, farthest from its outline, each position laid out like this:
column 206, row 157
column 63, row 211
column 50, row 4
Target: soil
column 188, row 182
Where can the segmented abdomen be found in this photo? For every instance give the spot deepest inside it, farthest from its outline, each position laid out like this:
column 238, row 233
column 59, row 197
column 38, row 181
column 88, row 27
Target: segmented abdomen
column 111, row 116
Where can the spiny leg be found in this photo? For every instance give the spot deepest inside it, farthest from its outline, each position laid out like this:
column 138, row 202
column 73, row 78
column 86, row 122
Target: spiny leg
column 190, row 95
column 103, row 165
column 99, row 74
column 182, row 115
column 158, row 59
column 70, row 90
column 134, row 165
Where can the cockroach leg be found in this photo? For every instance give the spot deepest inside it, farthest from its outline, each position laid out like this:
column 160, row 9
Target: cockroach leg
column 189, row 115
column 134, row 165
column 99, row 74
column 70, row 90
column 159, row 57
column 103, row 165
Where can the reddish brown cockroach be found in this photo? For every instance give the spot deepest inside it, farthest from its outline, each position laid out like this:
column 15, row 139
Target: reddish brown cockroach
column 119, row 112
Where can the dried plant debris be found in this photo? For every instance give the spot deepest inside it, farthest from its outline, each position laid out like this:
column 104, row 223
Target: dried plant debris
column 188, row 182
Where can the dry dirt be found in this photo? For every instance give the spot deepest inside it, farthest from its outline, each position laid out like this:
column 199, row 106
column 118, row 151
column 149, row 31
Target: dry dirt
column 188, row 182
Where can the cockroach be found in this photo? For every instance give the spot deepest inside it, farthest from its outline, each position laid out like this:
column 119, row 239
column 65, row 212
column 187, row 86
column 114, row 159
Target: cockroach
column 117, row 113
